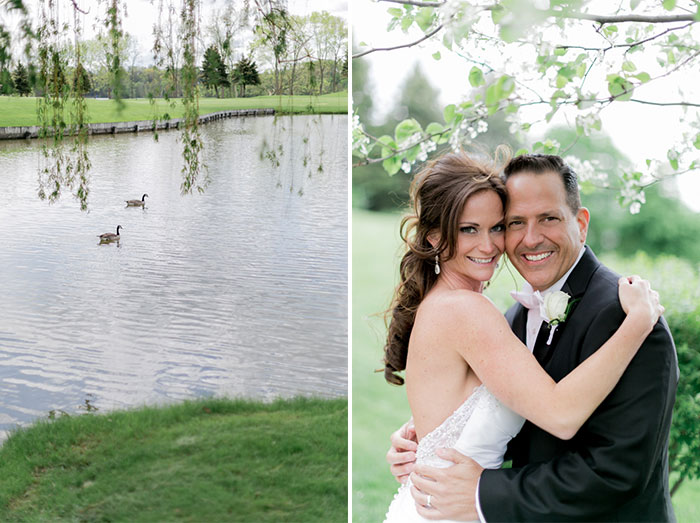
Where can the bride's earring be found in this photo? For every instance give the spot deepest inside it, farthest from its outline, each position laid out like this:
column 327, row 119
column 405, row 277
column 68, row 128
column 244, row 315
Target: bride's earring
column 437, row 264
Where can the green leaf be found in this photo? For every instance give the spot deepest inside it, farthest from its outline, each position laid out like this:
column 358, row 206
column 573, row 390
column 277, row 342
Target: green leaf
column 512, row 108
column 522, row 151
column 550, row 147
column 628, row 66
column 447, row 40
column 406, row 22
column 634, row 4
column 493, row 96
column 561, row 81
column 696, row 143
column 506, row 85
column 497, row 13
column 449, row 113
column 412, row 153
column 609, row 30
column 406, row 129
column 395, row 12
column 672, row 159
column 567, row 72
column 559, row 51
column 643, row 77
column 433, row 129
column 669, row 4
column 476, row 77
column 618, row 85
column 671, row 56
column 424, row 18
column 437, row 55
column 392, row 165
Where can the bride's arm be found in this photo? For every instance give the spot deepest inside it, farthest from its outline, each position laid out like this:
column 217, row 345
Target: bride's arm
column 513, row 375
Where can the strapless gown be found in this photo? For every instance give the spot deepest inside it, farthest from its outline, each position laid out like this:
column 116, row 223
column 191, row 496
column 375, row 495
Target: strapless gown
column 480, row 428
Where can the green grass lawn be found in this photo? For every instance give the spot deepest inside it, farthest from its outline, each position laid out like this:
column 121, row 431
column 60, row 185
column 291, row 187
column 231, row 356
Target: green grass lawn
column 379, row 408
column 16, row 111
column 208, row 460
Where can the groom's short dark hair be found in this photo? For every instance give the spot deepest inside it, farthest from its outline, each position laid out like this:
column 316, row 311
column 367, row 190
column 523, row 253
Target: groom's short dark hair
column 542, row 163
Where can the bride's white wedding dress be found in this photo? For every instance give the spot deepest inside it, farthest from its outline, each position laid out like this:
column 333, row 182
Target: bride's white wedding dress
column 480, row 428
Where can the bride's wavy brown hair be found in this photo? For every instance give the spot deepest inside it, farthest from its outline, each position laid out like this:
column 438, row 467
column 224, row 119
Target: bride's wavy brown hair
column 438, row 195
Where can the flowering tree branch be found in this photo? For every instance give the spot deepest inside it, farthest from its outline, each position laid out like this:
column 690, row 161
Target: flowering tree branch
column 375, row 49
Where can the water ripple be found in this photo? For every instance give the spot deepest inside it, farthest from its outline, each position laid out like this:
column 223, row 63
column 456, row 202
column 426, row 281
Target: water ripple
column 240, row 291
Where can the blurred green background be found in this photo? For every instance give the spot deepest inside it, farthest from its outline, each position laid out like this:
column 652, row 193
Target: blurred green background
column 661, row 243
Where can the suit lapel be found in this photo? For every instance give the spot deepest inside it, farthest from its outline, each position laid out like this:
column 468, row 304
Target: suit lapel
column 519, row 323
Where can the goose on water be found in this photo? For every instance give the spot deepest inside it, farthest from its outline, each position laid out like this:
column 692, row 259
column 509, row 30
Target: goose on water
column 110, row 236
column 137, row 203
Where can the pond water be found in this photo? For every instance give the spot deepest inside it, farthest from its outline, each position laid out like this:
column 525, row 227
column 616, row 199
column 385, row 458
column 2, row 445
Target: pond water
column 239, row 291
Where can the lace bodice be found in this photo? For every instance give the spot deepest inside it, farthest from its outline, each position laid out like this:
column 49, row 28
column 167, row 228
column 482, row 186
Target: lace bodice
column 480, row 428
column 447, row 433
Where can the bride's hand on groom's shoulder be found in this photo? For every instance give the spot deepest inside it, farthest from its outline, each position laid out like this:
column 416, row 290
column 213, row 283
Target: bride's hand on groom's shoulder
column 402, row 454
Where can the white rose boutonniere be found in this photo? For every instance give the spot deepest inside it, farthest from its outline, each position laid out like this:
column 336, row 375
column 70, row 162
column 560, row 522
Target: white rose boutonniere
column 555, row 309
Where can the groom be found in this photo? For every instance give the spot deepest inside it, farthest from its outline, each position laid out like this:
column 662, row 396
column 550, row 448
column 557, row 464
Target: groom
column 616, row 467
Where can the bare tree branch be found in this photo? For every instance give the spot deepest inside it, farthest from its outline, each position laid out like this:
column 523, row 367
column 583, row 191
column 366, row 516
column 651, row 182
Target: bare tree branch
column 616, row 19
column 75, row 6
column 415, row 2
column 616, row 46
column 375, row 49
column 683, row 104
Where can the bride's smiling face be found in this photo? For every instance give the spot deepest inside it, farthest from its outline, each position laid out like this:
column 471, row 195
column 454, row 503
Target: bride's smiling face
column 480, row 240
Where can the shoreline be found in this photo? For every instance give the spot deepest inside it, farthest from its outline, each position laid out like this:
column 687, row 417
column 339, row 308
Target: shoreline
column 32, row 131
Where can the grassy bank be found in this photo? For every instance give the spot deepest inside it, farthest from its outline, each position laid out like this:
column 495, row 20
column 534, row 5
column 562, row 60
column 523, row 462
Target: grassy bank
column 16, row 111
column 209, row 460
column 379, row 408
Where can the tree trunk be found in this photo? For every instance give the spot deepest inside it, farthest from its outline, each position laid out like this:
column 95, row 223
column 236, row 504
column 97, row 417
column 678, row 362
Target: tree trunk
column 676, row 485
column 320, row 73
column 335, row 70
column 291, row 81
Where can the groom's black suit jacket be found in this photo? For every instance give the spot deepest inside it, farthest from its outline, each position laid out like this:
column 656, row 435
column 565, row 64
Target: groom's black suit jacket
column 616, row 467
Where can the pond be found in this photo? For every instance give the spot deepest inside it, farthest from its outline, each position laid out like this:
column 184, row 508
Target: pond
column 240, row 291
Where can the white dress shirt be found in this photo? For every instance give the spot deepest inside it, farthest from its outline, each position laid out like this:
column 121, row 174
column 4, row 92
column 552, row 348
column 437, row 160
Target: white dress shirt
column 532, row 329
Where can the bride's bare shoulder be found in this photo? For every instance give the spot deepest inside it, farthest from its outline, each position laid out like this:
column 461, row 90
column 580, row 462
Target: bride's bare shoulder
column 445, row 308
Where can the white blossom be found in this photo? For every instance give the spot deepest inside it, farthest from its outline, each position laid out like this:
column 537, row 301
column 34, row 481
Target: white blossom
column 360, row 140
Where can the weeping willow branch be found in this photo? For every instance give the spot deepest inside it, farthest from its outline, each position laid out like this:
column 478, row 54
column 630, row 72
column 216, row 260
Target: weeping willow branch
column 193, row 170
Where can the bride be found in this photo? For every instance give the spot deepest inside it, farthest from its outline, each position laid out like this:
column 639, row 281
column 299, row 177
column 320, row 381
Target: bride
column 470, row 382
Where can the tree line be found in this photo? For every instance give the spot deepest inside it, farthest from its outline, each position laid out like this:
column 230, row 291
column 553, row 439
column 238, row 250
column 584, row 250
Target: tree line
column 303, row 55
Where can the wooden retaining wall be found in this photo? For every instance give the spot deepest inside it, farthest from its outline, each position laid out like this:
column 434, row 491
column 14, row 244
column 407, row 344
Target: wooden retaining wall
column 13, row 133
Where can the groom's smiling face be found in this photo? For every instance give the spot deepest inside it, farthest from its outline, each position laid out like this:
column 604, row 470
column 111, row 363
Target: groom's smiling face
column 543, row 234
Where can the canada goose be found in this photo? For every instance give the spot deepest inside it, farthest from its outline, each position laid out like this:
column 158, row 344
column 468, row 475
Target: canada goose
column 137, row 203
column 110, row 236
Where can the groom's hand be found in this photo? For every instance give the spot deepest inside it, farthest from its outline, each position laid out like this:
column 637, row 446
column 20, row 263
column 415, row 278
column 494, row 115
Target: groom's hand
column 452, row 490
column 402, row 454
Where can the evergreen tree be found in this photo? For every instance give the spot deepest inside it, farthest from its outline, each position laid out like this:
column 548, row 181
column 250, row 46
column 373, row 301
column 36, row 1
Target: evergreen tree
column 81, row 80
column 6, row 83
column 20, row 77
column 214, row 70
column 246, row 73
